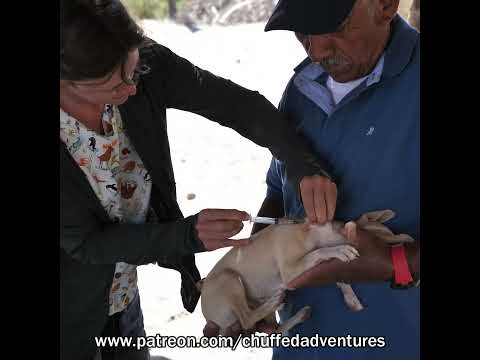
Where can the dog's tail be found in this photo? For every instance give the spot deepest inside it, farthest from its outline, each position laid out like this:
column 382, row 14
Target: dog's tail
column 199, row 284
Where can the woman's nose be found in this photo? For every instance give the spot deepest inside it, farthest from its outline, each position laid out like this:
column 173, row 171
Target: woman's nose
column 127, row 89
column 132, row 89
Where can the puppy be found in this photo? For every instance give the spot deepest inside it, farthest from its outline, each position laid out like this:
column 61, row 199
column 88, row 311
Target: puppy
column 248, row 283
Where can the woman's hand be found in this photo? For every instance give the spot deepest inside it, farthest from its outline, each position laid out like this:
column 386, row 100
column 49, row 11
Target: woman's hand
column 215, row 227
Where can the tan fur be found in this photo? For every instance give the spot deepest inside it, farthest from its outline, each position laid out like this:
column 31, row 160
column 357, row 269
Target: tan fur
column 258, row 273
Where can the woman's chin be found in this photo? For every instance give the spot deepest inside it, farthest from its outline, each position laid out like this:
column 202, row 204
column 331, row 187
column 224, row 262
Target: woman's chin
column 120, row 100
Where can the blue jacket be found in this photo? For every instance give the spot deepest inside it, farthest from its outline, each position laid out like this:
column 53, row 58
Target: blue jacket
column 371, row 140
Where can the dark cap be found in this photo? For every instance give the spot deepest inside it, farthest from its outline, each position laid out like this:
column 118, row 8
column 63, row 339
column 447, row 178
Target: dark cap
column 309, row 16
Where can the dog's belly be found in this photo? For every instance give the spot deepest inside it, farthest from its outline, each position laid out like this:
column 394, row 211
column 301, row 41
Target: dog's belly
column 261, row 288
column 260, row 275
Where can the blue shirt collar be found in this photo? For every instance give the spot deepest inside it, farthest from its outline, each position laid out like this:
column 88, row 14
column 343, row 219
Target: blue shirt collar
column 316, row 72
column 395, row 58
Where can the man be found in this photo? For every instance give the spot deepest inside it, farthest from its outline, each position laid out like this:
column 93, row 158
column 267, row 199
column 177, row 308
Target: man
column 356, row 98
column 117, row 187
column 414, row 14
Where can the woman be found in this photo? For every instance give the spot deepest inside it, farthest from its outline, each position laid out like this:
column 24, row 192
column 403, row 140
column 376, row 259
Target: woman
column 118, row 202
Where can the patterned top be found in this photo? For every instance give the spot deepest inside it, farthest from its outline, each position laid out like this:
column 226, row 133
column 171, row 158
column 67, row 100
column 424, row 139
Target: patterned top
column 118, row 178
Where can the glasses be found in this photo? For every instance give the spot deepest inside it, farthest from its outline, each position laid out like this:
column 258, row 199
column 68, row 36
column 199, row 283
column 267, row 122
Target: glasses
column 140, row 70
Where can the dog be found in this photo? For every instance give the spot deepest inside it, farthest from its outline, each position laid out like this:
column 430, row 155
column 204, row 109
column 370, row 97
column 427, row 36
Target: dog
column 248, row 283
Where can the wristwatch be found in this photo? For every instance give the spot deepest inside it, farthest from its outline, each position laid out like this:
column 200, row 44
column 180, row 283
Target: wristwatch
column 402, row 277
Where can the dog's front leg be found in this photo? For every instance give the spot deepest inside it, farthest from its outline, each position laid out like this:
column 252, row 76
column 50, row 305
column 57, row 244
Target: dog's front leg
column 350, row 297
column 291, row 270
column 302, row 315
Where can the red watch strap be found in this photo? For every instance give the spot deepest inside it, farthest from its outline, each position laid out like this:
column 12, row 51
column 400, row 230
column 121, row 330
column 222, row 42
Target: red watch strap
column 401, row 271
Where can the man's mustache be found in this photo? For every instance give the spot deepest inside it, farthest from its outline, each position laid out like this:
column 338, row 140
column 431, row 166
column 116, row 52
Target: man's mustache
column 333, row 61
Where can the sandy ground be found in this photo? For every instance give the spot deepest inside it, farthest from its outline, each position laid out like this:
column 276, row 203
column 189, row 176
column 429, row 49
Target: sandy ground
column 219, row 167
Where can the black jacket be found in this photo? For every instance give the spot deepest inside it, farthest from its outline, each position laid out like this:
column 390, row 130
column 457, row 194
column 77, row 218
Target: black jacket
column 90, row 244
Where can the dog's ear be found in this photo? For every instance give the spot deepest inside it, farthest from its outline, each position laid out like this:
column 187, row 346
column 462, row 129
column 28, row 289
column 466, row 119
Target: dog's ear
column 380, row 216
column 373, row 222
column 399, row 238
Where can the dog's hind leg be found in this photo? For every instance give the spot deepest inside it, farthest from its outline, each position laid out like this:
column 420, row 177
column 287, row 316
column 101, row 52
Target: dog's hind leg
column 350, row 297
column 265, row 310
column 222, row 295
column 224, row 300
column 302, row 315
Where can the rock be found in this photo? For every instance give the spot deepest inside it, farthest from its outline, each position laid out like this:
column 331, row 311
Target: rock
column 190, row 196
column 229, row 12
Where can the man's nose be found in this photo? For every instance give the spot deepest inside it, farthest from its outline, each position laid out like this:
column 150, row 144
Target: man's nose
column 319, row 47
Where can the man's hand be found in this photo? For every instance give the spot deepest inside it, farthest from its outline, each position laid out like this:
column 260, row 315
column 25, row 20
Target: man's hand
column 319, row 197
column 373, row 264
column 216, row 226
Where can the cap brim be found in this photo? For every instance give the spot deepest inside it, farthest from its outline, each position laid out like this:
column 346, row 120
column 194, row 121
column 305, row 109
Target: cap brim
column 309, row 17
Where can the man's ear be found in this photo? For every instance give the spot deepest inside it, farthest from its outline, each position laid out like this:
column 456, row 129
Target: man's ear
column 387, row 11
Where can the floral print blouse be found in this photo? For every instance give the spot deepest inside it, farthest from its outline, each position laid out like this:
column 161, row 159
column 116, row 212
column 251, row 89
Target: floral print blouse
column 118, row 178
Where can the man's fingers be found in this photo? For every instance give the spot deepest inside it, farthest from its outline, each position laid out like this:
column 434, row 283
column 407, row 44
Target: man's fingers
column 306, row 191
column 211, row 329
column 331, row 197
column 236, row 327
column 350, row 232
column 222, row 214
column 265, row 327
column 319, row 196
column 234, row 330
column 319, row 199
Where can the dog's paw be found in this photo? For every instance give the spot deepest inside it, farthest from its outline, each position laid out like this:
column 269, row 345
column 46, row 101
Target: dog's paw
column 354, row 304
column 305, row 313
column 344, row 253
column 351, row 299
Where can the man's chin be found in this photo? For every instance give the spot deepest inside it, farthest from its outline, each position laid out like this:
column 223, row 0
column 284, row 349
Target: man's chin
column 342, row 77
column 341, row 73
column 346, row 75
